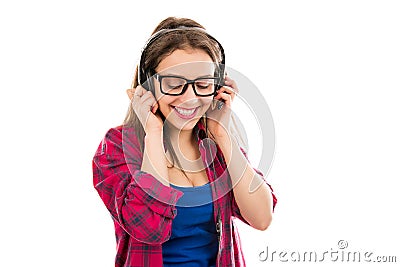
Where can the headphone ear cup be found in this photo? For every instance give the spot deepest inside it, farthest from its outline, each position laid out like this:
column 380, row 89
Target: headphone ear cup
column 145, row 82
column 140, row 75
column 220, row 74
column 145, row 86
column 151, row 85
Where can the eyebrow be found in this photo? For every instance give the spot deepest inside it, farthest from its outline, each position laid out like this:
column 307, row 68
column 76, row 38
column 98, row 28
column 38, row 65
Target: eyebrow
column 178, row 75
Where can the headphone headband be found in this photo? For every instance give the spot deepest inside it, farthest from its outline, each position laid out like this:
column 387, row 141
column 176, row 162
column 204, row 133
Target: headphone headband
column 142, row 77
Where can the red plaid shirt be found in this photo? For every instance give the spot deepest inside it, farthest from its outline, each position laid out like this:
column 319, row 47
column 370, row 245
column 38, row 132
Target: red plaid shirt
column 143, row 208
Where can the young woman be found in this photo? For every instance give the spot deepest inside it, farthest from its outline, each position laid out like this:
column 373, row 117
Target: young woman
column 173, row 175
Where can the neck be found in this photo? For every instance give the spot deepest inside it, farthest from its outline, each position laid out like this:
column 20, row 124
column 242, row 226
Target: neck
column 186, row 149
column 183, row 138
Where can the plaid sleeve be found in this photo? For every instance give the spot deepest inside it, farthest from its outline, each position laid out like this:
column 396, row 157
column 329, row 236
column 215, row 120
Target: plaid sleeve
column 146, row 211
column 236, row 211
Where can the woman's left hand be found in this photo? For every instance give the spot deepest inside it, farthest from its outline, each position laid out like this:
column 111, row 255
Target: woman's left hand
column 219, row 113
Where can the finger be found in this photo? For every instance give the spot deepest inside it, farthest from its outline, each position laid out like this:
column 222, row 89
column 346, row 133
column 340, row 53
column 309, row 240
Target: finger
column 155, row 107
column 229, row 80
column 139, row 100
column 226, row 98
column 139, row 91
column 226, row 90
column 147, row 98
column 130, row 93
column 231, row 83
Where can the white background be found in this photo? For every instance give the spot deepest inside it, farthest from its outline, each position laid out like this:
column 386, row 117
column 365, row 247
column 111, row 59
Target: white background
column 329, row 71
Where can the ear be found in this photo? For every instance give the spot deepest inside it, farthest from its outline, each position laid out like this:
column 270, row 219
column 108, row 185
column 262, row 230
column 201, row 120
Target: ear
column 130, row 92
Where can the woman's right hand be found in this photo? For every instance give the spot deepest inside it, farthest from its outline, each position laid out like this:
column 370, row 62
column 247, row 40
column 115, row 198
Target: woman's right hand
column 145, row 106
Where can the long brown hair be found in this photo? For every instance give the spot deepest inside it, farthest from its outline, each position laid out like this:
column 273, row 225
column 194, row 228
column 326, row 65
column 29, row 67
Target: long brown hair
column 157, row 51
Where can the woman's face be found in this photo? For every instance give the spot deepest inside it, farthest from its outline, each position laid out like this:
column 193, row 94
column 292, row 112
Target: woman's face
column 184, row 111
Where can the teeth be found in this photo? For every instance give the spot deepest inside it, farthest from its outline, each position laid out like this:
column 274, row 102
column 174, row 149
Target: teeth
column 185, row 112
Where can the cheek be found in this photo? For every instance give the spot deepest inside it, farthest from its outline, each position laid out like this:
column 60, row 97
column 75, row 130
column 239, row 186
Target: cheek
column 163, row 102
column 206, row 102
column 205, row 105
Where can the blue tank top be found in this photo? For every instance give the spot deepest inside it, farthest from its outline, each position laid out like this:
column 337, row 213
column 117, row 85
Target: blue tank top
column 194, row 239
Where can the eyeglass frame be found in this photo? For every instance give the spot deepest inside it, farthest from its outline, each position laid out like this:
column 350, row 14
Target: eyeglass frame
column 186, row 86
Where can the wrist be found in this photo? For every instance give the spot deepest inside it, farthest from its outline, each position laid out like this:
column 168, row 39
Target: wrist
column 225, row 144
column 154, row 130
column 154, row 137
column 223, row 141
column 154, row 133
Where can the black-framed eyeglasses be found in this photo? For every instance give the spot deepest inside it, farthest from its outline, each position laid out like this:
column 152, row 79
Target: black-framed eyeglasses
column 177, row 85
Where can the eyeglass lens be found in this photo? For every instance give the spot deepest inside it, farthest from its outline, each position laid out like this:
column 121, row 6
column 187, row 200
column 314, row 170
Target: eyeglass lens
column 175, row 85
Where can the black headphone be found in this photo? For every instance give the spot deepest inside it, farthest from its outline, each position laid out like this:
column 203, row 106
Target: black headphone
column 143, row 76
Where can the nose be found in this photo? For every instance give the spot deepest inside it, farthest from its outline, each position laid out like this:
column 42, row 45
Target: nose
column 189, row 94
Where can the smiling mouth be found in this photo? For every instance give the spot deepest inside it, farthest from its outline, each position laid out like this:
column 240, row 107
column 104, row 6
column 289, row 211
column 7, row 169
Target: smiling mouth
column 185, row 113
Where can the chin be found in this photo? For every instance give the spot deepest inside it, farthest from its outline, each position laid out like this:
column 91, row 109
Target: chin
column 184, row 126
